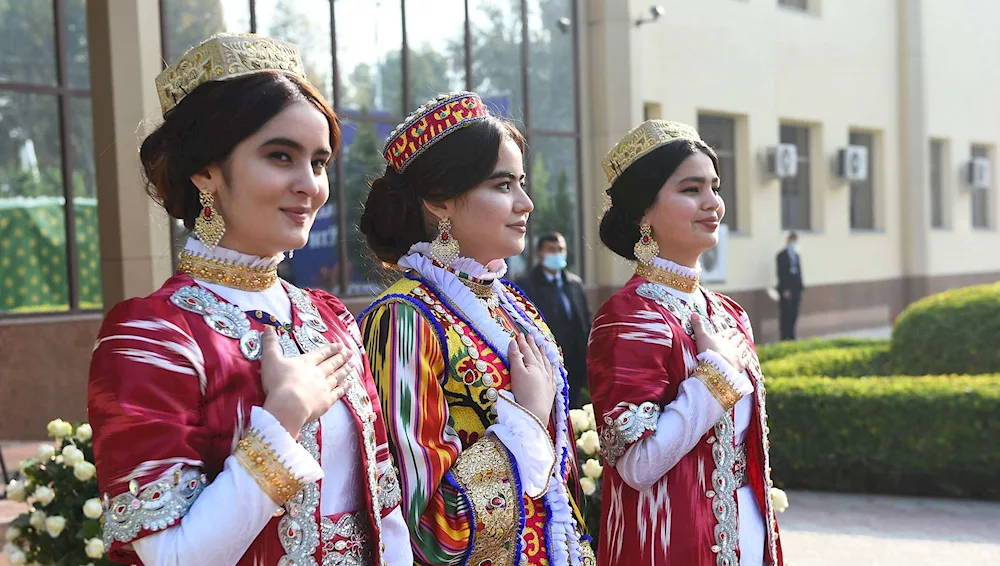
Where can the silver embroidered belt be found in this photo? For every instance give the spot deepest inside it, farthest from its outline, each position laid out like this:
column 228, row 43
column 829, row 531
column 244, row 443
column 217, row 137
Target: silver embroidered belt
column 740, row 466
column 345, row 539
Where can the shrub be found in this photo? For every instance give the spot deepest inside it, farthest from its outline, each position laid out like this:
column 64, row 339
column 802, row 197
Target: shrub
column 768, row 352
column 854, row 361
column 63, row 523
column 951, row 332
column 935, row 435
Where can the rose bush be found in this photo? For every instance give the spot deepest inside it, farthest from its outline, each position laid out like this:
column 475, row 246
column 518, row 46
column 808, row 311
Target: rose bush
column 62, row 525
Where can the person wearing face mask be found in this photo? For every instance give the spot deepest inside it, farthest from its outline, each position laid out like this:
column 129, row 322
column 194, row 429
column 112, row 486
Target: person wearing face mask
column 559, row 296
column 676, row 385
column 789, row 286
column 235, row 419
column 471, row 381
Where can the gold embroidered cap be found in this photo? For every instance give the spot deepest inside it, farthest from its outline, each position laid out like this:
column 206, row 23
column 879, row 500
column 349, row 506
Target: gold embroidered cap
column 222, row 57
column 643, row 139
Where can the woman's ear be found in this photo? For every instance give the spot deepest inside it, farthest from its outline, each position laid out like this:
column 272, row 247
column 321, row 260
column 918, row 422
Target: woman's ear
column 208, row 179
column 439, row 210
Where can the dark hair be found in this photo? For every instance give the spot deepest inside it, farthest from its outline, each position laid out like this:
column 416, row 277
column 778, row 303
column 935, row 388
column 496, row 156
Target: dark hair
column 208, row 124
column 546, row 238
column 636, row 189
column 793, row 236
column 393, row 217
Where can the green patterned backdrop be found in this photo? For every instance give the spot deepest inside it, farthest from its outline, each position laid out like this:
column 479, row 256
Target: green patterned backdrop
column 33, row 276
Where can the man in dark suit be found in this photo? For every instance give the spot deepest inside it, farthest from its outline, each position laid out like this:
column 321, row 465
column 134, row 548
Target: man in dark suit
column 789, row 286
column 559, row 296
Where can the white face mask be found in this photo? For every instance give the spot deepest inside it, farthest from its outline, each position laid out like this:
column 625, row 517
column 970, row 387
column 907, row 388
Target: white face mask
column 793, row 247
column 554, row 262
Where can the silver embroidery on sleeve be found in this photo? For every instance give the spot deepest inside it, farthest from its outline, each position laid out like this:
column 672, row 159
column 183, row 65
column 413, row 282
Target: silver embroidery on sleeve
column 619, row 433
column 153, row 507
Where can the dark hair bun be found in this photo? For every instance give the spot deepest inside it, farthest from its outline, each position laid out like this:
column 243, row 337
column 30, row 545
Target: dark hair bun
column 618, row 233
column 392, row 219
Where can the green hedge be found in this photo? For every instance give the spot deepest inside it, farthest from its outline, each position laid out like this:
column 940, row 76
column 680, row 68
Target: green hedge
column 935, row 435
column 768, row 352
column 859, row 360
column 952, row 332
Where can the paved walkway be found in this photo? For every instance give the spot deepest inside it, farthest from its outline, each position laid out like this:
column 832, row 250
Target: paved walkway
column 826, row 529
column 876, row 332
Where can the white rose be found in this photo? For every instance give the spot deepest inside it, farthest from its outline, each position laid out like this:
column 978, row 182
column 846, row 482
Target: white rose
column 46, row 452
column 55, row 525
column 9, row 549
column 579, row 420
column 593, row 469
column 15, row 491
column 589, row 409
column 779, row 499
column 45, row 495
column 13, row 533
column 72, row 455
column 37, row 520
column 17, row 558
column 95, row 548
column 84, row 471
column 588, row 486
column 589, row 442
column 84, row 432
column 92, row 509
column 59, row 429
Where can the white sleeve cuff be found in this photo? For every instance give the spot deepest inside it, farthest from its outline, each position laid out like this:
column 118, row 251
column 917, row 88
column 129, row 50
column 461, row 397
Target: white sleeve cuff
column 737, row 380
column 293, row 455
column 528, row 442
column 679, row 428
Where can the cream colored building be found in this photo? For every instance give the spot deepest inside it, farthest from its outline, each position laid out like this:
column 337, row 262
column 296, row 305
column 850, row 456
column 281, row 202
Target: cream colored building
column 899, row 73
column 907, row 79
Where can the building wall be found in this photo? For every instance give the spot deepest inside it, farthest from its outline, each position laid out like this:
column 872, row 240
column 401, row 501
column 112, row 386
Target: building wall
column 834, row 71
column 962, row 94
column 903, row 71
column 45, row 364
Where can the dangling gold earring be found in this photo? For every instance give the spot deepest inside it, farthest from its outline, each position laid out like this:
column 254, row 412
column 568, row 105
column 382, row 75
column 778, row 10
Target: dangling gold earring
column 646, row 248
column 209, row 226
column 444, row 248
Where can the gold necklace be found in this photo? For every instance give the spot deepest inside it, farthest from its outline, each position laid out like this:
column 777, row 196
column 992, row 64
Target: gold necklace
column 483, row 291
column 666, row 277
column 227, row 274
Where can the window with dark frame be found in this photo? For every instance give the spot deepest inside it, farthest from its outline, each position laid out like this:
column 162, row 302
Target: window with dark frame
column 49, row 248
column 719, row 132
column 521, row 57
column 980, row 196
column 796, row 205
column 802, row 5
column 937, row 169
column 862, row 205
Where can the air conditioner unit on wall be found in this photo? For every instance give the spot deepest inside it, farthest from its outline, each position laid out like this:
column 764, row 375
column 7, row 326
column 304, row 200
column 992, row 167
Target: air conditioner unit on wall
column 852, row 163
column 783, row 160
column 714, row 262
column 979, row 175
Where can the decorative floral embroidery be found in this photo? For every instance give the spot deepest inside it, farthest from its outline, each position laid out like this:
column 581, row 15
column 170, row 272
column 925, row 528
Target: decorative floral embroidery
column 627, row 427
column 485, row 473
column 154, row 507
column 389, row 491
column 345, row 543
column 724, row 486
